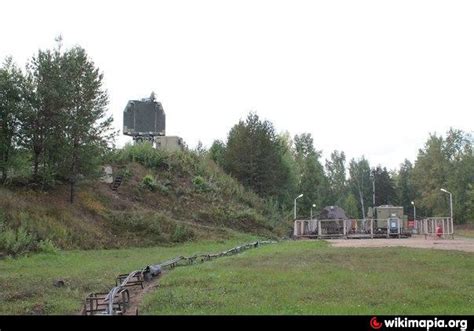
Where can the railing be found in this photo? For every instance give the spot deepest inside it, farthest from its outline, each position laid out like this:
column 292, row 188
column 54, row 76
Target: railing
column 359, row 228
column 305, row 228
column 331, row 228
column 350, row 228
column 441, row 227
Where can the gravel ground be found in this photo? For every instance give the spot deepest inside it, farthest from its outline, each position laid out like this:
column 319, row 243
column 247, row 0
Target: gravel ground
column 458, row 243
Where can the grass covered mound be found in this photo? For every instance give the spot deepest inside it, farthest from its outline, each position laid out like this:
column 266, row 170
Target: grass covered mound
column 164, row 198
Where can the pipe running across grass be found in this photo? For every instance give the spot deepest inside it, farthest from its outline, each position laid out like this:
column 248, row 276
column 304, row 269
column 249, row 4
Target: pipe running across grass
column 151, row 271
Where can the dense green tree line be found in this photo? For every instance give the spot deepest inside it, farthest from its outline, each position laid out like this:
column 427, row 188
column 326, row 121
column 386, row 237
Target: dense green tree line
column 445, row 162
column 53, row 118
column 280, row 168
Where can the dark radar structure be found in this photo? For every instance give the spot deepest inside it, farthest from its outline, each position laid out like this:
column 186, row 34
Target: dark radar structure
column 145, row 120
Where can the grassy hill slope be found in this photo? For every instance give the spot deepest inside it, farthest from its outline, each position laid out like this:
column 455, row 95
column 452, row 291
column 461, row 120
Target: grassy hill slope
column 165, row 198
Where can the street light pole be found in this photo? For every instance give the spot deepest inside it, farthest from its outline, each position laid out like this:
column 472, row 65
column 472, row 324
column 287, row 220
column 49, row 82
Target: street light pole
column 450, row 201
column 312, row 211
column 414, row 210
column 299, row 196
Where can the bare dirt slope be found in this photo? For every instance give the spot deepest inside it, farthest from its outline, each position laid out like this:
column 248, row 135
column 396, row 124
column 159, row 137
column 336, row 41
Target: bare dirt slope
column 459, row 243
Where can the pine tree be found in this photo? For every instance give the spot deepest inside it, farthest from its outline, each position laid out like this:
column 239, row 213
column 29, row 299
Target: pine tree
column 253, row 155
column 216, row 152
column 385, row 193
column 68, row 127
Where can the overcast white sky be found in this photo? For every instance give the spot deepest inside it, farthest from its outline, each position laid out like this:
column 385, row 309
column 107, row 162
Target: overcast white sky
column 370, row 78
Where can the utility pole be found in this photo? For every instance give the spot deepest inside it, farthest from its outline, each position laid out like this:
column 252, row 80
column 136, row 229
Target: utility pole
column 373, row 188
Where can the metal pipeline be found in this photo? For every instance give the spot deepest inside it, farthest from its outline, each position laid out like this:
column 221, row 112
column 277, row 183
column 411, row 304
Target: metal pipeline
column 150, row 271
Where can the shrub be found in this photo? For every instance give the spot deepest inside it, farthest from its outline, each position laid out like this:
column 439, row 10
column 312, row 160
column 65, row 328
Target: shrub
column 183, row 162
column 24, row 241
column 7, row 240
column 200, row 184
column 2, row 219
column 164, row 186
column 143, row 153
column 15, row 242
column 182, row 234
column 149, row 183
column 47, row 246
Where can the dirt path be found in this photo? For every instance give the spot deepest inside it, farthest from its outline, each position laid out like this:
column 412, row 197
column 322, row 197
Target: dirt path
column 137, row 293
column 459, row 243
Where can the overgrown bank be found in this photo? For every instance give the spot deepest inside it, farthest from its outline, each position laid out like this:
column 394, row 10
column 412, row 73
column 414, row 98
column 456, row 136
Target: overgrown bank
column 164, row 198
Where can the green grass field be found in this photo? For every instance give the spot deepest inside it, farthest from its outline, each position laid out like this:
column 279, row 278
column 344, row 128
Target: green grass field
column 26, row 283
column 309, row 277
column 302, row 277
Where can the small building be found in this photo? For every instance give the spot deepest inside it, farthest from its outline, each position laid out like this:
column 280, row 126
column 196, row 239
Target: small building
column 386, row 214
column 107, row 174
column 169, row 143
column 387, row 211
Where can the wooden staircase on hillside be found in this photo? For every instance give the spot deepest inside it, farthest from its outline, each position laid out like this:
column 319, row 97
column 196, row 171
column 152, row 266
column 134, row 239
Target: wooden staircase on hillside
column 116, row 183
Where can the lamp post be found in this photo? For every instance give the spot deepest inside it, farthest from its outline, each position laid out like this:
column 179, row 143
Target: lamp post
column 299, row 196
column 313, row 206
column 414, row 210
column 450, row 201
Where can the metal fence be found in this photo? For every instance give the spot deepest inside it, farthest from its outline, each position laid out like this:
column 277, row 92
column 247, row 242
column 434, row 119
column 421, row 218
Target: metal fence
column 350, row 228
column 331, row 228
column 441, row 227
column 359, row 228
column 305, row 228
